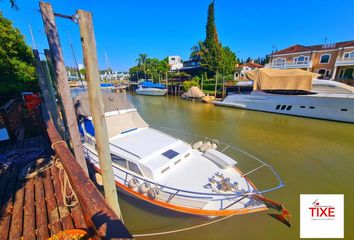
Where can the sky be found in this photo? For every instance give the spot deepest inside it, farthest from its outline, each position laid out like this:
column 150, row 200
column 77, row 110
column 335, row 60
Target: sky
column 161, row 28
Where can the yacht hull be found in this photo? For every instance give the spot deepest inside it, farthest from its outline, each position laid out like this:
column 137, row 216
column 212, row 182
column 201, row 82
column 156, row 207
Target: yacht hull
column 183, row 209
column 335, row 108
column 151, row 91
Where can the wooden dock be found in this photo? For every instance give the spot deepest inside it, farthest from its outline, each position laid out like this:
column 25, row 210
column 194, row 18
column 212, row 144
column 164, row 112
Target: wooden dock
column 34, row 208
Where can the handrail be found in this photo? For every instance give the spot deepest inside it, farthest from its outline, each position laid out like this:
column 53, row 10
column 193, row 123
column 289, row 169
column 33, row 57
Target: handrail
column 98, row 214
column 209, row 195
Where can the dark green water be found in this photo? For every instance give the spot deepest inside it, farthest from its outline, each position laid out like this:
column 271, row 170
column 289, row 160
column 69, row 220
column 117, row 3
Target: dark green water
column 311, row 156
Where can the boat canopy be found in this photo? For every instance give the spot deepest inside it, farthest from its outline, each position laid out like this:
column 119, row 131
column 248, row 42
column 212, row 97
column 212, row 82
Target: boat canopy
column 111, row 101
column 152, row 85
column 121, row 115
column 194, row 92
column 280, row 79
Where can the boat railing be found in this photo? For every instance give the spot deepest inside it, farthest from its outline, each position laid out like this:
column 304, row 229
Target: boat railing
column 223, row 147
column 124, row 175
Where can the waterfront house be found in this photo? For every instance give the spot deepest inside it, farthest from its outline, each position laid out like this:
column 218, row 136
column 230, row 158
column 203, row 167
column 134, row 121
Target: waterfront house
column 175, row 63
column 333, row 61
column 240, row 69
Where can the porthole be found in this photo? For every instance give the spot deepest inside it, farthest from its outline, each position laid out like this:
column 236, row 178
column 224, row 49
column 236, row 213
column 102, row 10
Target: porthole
column 344, row 109
column 312, row 107
column 302, row 107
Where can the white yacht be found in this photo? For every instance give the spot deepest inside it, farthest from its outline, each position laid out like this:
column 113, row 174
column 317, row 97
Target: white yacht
column 293, row 92
column 151, row 89
column 203, row 178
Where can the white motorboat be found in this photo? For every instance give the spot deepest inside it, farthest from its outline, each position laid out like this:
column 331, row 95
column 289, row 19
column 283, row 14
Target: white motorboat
column 320, row 99
column 151, row 89
column 203, row 178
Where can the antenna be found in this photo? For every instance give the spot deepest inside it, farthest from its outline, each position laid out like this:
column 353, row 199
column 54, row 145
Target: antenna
column 33, row 41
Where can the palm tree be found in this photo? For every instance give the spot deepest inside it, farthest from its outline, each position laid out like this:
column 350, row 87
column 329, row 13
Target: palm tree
column 141, row 60
column 197, row 50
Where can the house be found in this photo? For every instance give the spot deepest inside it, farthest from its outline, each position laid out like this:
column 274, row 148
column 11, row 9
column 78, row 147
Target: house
column 240, row 69
column 175, row 63
column 334, row 61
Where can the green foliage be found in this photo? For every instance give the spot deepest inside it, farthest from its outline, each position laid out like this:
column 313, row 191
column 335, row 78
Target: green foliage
column 149, row 68
column 188, row 84
column 16, row 61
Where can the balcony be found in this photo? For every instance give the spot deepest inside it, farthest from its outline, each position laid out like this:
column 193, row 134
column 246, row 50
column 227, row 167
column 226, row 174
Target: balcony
column 344, row 62
column 292, row 64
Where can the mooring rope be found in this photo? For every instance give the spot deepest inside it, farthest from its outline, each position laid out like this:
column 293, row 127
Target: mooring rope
column 65, row 185
column 187, row 228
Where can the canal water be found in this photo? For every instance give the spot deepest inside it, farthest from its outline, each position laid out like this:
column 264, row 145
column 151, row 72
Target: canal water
column 311, row 156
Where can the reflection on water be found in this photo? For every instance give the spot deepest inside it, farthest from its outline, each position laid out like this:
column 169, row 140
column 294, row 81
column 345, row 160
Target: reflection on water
column 311, row 156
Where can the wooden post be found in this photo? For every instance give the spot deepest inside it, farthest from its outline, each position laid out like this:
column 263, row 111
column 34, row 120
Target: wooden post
column 50, row 105
column 216, row 83
column 202, row 82
column 62, row 81
column 52, row 79
column 96, row 105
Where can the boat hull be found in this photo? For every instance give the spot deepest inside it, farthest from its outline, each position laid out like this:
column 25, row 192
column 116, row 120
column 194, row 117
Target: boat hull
column 152, row 91
column 320, row 107
column 183, row 209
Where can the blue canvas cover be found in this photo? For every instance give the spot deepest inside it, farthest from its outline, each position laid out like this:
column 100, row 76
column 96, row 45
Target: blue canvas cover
column 152, row 85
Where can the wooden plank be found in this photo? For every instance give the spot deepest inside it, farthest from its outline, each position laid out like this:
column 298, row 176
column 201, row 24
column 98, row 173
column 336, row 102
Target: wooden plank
column 78, row 217
column 17, row 212
column 51, row 203
column 63, row 83
column 29, row 219
column 7, row 204
column 97, row 212
column 3, row 184
column 64, row 212
column 41, row 212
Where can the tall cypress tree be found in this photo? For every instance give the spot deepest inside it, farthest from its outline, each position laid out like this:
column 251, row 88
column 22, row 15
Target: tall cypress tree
column 211, row 39
column 213, row 56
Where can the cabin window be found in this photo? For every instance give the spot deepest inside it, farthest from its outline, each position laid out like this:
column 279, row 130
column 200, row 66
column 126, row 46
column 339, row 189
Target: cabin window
column 134, row 168
column 302, row 106
column 289, row 108
column 277, row 108
column 283, row 107
column 325, row 58
column 187, row 155
column 344, row 109
column 177, row 161
column 312, row 107
column 119, row 161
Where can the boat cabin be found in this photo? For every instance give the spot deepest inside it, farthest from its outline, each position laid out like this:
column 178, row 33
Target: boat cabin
column 128, row 137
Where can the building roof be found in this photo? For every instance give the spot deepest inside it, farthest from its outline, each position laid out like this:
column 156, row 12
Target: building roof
column 300, row 48
column 251, row 65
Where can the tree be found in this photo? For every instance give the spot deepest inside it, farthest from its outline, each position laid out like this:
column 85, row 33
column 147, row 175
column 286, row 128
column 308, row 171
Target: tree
column 141, row 62
column 212, row 55
column 211, row 39
column 16, row 61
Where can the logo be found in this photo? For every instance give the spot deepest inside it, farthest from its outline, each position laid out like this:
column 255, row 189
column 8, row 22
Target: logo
column 321, row 216
column 319, row 212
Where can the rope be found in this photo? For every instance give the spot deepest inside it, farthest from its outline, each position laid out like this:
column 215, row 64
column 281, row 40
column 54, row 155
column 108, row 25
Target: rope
column 60, row 141
column 26, row 170
column 70, row 200
column 187, row 228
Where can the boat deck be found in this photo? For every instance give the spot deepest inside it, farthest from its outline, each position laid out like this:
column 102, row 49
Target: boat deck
column 33, row 208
